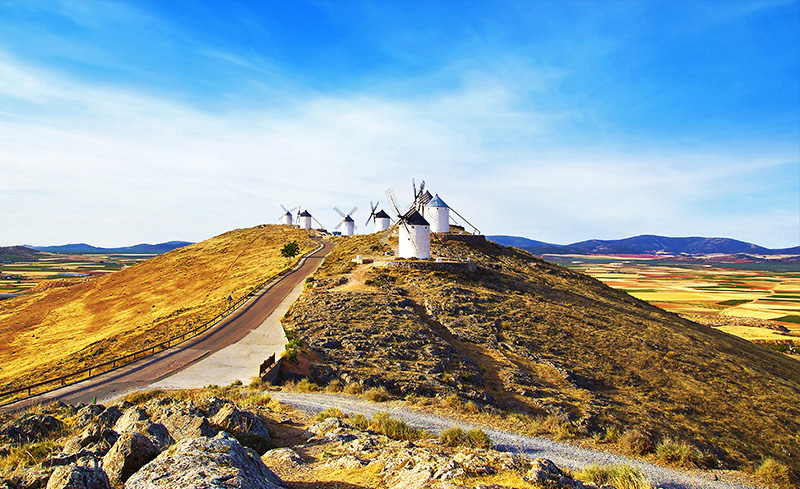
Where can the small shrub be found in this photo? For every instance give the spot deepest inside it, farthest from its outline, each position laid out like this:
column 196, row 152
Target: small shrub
column 377, row 394
column 258, row 399
column 397, row 430
column 636, row 442
column 679, row 454
column 236, row 383
column 334, row 386
column 619, row 476
column 471, row 407
column 453, row 437
column 774, row 473
column 359, row 421
column 306, row 385
column 478, row 438
column 353, row 389
column 330, row 413
column 613, row 435
column 452, row 401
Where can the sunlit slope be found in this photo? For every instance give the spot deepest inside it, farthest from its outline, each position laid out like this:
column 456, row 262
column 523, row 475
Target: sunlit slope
column 50, row 333
column 529, row 336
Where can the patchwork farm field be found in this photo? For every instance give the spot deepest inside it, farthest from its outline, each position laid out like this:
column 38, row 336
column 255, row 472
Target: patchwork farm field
column 753, row 302
column 50, row 270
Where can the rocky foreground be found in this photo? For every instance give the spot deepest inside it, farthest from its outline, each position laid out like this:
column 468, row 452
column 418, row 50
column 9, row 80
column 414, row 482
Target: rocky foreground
column 192, row 440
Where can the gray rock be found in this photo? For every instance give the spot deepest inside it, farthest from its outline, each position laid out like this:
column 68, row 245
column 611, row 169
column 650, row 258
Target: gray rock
column 135, row 420
column 181, row 419
column 206, row 463
column 33, row 427
column 244, row 426
column 78, row 477
column 128, row 455
column 93, row 438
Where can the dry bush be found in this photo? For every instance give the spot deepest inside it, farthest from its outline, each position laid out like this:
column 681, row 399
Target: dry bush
column 383, row 424
column 334, row 386
column 474, row 438
column 619, row 476
column 359, row 421
column 141, row 397
column 353, row 389
column 775, row 474
column 678, row 454
column 613, row 435
column 636, row 442
column 330, row 413
column 377, row 394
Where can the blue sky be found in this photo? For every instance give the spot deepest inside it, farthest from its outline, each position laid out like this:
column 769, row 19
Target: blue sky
column 127, row 122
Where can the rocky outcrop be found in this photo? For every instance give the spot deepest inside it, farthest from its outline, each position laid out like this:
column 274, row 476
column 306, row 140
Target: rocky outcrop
column 33, row 427
column 135, row 420
column 78, row 477
column 244, row 426
column 129, row 454
column 218, row 462
column 181, row 419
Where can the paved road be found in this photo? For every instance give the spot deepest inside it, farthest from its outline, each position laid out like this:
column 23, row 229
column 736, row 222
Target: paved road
column 146, row 371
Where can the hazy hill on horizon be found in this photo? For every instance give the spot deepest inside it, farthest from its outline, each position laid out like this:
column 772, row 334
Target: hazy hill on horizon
column 644, row 244
column 142, row 248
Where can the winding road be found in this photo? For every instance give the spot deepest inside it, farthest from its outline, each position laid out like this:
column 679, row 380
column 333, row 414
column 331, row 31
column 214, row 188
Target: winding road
column 237, row 328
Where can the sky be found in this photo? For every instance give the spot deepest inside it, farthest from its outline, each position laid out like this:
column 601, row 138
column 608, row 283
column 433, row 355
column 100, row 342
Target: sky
column 125, row 122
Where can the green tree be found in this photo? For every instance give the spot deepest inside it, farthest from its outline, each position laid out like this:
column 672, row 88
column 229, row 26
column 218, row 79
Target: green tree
column 291, row 249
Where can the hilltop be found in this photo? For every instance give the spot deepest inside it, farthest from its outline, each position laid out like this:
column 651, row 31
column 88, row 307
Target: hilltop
column 524, row 336
column 11, row 254
column 54, row 331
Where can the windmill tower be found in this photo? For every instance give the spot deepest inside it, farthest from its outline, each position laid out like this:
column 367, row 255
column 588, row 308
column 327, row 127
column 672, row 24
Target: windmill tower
column 381, row 219
column 348, row 225
column 414, row 232
column 438, row 214
column 305, row 220
column 286, row 218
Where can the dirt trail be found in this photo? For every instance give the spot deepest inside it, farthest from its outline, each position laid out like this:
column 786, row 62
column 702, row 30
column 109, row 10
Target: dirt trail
column 563, row 454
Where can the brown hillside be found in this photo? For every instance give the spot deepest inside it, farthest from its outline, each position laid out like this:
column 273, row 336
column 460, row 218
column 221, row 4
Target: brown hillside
column 61, row 329
column 529, row 336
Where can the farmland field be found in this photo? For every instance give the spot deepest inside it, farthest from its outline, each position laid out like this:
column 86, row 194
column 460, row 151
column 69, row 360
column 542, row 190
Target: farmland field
column 759, row 303
column 60, row 269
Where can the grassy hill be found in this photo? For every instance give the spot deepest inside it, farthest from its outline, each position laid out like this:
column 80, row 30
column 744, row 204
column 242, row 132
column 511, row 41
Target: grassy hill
column 49, row 333
column 541, row 342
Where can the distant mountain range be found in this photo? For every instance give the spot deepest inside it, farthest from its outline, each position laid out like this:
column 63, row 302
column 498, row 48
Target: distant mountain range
column 646, row 244
column 139, row 249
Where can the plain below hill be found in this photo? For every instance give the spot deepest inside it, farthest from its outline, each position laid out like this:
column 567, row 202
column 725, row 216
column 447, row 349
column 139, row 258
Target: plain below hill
column 527, row 337
column 58, row 330
column 139, row 249
column 646, row 244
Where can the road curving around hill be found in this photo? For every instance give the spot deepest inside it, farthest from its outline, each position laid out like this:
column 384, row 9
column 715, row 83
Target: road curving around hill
column 142, row 373
column 563, row 454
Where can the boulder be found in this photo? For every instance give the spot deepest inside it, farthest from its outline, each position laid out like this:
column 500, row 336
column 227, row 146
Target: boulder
column 78, row 477
column 285, row 457
column 135, row 420
column 181, row 419
column 94, row 438
column 33, row 427
column 207, row 463
column 244, row 426
column 129, row 454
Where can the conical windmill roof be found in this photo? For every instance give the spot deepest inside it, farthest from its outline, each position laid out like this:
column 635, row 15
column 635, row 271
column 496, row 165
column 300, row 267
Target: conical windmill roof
column 437, row 202
column 347, row 219
column 415, row 218
column 305, row 214
column 382, row 215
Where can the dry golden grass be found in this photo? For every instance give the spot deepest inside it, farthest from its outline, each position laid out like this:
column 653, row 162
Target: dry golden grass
column 58, row 330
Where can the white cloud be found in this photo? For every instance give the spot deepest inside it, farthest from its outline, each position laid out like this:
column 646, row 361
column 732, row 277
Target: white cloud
column 112, row 167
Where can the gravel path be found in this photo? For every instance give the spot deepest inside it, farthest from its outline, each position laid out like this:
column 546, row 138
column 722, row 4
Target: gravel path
column 563, row 454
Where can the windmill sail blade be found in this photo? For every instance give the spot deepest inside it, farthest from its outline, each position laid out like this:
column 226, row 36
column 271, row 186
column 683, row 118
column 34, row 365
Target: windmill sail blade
column 284, row 209
column 414, row 187
column 393, row 200
column 338, row 226
column 422, row 188
column 319, row 223
column 352, row 211
column 339, row 211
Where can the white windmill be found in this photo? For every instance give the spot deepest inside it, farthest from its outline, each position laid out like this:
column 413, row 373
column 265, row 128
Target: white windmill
column 348, row 225
column 305, row 218
column 286, row 218
column 413, row 231
column 381, row 219
column 438, row 214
